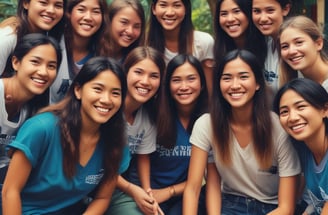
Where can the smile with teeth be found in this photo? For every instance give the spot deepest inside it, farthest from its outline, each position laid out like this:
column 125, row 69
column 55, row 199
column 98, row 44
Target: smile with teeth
column 47, row 18
column 169, row 21
column 297, row 58
column 142, row 90
column 297, row 127
column 39, row 81
column 86, row 26
column 233, row 27
column 236, row 95
column 101, row 109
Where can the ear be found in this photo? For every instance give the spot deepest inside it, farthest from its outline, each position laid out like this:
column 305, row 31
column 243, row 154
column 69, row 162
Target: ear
column 325, row 111
column 15, row 63
column 257, row 87
column 286, row 10
column 153, row 9
column 26, row 5
column 319, row 43
column 77, row 92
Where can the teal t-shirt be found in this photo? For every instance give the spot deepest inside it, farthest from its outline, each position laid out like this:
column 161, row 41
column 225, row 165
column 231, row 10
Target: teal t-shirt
column 48, row 189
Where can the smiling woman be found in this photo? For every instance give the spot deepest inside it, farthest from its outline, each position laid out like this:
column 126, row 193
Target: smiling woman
column 80, row 140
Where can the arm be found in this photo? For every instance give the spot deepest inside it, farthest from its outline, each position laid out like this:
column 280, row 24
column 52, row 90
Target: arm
column 325, row 208
column 144, row 170
column 208, row 71
column 164, row 194
column 286, row 196
column 140, row 196
column 102, row 198
column 213, row 190
column 197, row 165
column 17, row 175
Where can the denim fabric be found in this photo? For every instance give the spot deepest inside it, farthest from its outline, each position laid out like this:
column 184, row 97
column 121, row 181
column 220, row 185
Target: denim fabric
column 239, row 205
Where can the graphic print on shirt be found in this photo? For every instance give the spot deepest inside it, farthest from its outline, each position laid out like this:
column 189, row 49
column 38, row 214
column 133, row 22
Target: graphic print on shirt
column 4, row 141
column 316, row 202
column 178, row 151
column 94, row 179
column 135, row 141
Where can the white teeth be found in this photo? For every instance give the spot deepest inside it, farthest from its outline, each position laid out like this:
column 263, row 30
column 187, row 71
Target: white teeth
column 40, row 81
column 233, row 27
column 169, row 21
column 86, row 26
column 142, row 90
column 105, row 110
column 47, row 18
column 296, row 58
column 296, row 127
column 236, row 94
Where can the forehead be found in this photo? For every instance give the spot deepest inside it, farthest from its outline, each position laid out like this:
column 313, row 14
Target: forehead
column 45, row 51
column 185, row 69
column 236, row 66
column 265, row 3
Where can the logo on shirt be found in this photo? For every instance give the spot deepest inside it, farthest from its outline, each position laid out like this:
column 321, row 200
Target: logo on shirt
column 94, row 179
column 135, row 141
column 4, row 141
column 178, row 151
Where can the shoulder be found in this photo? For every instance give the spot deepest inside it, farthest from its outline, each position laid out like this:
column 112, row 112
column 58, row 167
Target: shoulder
column 12, row 23
column 202, row 34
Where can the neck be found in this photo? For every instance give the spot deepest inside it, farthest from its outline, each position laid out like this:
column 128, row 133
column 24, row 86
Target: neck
column 80, row 48
column 242, row 116
column 317, row 72
column 184, row 114
column 130, row 109
column 318, row 144
column 15, row 96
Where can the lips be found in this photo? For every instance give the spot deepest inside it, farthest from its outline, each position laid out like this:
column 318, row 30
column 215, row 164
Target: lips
column 236, row 95
column 47, row 19
column 298, row 127
column 86, row 26
column 234, row 27
column 296, row 58
column 142, row 91
column 102, row 109
column 39, row 81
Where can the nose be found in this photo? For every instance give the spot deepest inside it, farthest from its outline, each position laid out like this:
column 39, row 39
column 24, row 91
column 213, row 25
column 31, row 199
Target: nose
column 129, row 29
column 42, row 70
column 230, row 17
column 170, row 11
column 105, row 98
column 235, row 84
column 293, row 116
column 263, row 17
column 292, row 49
column 144, row 80
column 184, row 85
column 87, row 15
column 50, row 8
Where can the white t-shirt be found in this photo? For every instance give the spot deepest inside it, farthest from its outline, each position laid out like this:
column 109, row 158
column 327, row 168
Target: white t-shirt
column 8, row 40
column 8, row 129
column 202, row 47
column 244, row 176
column 141, row 134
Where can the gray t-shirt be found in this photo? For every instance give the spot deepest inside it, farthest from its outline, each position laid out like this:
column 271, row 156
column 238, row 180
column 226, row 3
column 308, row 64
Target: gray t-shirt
column 244, row 176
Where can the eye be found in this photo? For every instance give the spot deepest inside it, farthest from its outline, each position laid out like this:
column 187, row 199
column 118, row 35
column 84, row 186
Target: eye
column 52, row 66
column 43, row 2
column 116, row 93
column 223, row 13
column 175, row 80
column 96, row 11
column 97, row 89
column 237, row 10
column 256, row 11
column 244, row 77
column 284, row 47
column 177, row 5
column 154, row 76
column 283, row 112
column 225, row 78
column 59, row 5
column 34, row 62
column 270, row 10
column 299, row 42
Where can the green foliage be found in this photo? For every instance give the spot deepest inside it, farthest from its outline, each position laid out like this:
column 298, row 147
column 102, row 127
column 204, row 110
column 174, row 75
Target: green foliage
column 7, row 8
column 202, row 17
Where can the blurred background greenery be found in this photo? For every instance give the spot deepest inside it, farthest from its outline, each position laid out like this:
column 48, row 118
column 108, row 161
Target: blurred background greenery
column 201, row 15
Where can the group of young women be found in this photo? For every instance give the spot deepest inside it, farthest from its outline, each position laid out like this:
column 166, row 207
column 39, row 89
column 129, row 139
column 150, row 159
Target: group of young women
column 168, row 121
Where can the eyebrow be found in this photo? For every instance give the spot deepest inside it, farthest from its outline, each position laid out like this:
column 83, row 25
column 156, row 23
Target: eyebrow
column 295, row 103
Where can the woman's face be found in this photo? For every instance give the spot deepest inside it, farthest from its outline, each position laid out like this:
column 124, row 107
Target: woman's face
column 299, row 118
column 125, row 27
column 86, row 18
column 43, row 15
column 185, row 85
column 143, row 80
column 169, row 13
column 299, row 50
column 100, row 98
column 268, row 16
column 232, row 19
column 37, row 70
column 238, row 84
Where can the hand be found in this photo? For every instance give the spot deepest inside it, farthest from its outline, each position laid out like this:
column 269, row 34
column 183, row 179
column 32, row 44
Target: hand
column 157, row 209
column 145, row 202
column 161, row 195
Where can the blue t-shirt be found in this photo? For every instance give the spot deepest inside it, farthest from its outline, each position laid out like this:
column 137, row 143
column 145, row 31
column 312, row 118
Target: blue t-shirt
column 47, row 188
column 316, row 177
column 170, row 166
